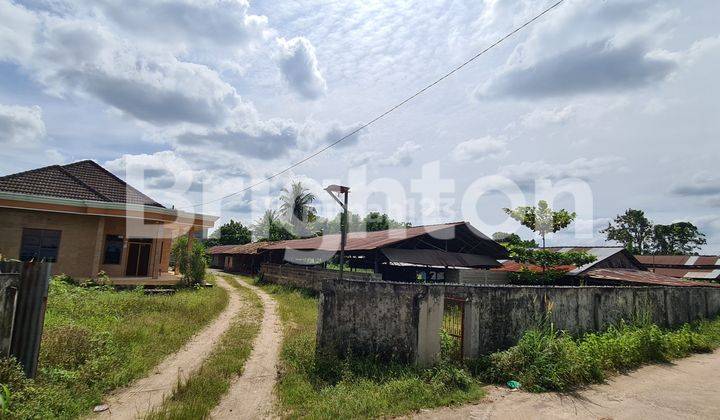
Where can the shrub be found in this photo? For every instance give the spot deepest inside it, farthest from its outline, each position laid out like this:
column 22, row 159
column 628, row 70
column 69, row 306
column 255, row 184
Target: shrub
column 66, row 346
column 192, row 265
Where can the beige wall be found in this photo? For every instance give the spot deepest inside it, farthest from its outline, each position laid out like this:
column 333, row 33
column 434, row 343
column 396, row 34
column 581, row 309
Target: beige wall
column 77, row 240
column 82, row 241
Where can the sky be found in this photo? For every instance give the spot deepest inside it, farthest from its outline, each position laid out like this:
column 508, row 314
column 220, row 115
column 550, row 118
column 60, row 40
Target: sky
column 599, row 106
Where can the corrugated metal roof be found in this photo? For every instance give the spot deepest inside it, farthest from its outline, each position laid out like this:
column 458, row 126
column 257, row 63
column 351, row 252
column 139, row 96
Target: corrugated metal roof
column 219, row 249
column 247, row 249
column 680, row 260
column 643, row 277
column 433, row 257
column 368, row 241
column 600, row 253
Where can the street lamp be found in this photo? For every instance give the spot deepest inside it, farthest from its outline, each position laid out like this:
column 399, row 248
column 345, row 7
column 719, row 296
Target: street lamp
column 339, row 189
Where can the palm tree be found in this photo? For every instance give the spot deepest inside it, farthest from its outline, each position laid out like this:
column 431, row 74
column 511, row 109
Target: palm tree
column 296, row 206
column 261, row 228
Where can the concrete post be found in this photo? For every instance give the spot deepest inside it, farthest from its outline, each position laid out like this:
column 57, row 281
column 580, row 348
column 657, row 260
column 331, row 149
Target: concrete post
column 431, row 307
column 471, row 330
column 99, row 254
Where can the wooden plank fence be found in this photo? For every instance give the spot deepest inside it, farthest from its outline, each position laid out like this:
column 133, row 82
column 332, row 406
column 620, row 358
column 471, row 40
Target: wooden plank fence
column 24, row 288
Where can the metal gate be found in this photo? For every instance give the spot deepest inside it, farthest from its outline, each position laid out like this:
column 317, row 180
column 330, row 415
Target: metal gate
column 453, row 323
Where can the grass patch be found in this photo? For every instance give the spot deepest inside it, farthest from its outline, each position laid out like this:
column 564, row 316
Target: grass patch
column 548, row 360
column 203, row 391
column 98, row 339
column 353, row 388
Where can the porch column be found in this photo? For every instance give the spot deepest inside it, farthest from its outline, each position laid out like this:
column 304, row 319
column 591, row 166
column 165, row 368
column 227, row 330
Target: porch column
column 98, row 254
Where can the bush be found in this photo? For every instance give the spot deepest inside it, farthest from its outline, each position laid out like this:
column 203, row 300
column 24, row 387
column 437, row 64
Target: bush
column 548, row 360
column 66, row 346
column 192, row 265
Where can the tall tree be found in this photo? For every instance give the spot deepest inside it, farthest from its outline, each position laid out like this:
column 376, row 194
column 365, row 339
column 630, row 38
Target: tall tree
column 233, row 233
column 513, row 240
column 271, row 228
column 632, row 229
column 375, row 221
column 542, row 219
column 297, row 207
column 681, row 238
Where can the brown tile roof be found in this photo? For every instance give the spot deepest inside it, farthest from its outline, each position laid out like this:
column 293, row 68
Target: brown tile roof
column 248, row 249
column 84, row 180
column 220, row 249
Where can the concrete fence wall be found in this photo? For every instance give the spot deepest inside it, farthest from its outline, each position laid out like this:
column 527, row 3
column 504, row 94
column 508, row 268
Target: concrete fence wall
column 403, row 320
column 308, row 277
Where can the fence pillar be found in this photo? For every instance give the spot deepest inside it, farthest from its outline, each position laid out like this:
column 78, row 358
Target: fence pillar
column 30, row 315
column 471, row 330
column 431, row 308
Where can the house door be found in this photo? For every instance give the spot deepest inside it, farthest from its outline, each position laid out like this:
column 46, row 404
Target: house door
column 138, row 260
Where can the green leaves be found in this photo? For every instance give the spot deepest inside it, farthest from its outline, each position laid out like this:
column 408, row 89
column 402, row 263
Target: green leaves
column 542, row 219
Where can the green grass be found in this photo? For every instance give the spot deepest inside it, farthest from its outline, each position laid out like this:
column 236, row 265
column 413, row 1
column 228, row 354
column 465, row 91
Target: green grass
column 548, row 360
column 203, row 391
column 98, row 339
column 310, row 388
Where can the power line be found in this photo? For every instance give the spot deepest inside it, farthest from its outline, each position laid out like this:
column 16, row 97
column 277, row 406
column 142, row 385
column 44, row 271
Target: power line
column 390, row 110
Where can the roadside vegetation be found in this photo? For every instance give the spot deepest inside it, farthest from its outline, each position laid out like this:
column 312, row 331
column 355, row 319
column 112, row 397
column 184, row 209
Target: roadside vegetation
column 549, row 360
column 97, row 339
column 202, row 392
column 354, row 388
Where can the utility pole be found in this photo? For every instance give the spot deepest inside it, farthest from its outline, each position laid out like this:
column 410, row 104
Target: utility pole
column 339, row 189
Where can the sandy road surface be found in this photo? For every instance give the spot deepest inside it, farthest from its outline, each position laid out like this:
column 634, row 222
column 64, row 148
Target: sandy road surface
column 251, row 395
column 149, row 392
column 685, row 389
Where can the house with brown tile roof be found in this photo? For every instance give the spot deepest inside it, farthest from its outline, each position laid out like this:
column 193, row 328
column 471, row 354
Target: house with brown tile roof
column 85, row 220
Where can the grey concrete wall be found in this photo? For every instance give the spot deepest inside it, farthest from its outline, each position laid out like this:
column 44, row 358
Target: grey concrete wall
column 307, row 277
column 476, row 276
column 403, row 320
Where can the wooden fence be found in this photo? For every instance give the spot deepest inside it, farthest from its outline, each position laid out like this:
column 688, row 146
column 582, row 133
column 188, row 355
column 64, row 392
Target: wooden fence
column 24, row 288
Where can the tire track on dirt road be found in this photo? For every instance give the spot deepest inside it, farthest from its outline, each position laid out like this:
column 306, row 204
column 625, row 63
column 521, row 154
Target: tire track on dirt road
column 251, row 396
column 148, row 393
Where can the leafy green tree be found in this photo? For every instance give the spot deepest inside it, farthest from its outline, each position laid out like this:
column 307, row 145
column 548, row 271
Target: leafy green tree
column 191, row 264
column 231, row 233
column 374, row 221
column 513, row 240
column 297, row 207
column 542, row 219
column 632, row 229
column 681, row 238
column 270, row 228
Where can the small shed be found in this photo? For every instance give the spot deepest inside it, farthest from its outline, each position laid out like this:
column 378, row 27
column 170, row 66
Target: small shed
column 217, row 255
column 245, row 259
column 692, row 267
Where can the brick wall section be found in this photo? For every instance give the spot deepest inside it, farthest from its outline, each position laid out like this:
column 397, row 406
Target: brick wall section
column 401, row 319
column 307, row 277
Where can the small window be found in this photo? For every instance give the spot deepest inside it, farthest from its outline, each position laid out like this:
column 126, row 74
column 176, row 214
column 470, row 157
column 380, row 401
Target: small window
column 113, row 249
column 40, row 245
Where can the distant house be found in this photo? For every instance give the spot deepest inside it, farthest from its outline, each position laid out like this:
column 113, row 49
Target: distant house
column 85, row 220
column 217, row 255
column 704, row 267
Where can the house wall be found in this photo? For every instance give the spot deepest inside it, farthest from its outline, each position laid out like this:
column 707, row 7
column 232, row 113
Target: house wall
column 402, row 320
column 82, row 241
column 476, row 276
column 77, row 240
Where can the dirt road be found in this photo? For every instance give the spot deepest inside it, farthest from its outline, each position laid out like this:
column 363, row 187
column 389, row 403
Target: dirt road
column 686, row 389
column 251, row 396
column 148, row 393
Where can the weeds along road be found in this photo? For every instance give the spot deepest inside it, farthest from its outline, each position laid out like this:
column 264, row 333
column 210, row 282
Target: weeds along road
column 251, row 396
column 686, row 388
column 148, row 393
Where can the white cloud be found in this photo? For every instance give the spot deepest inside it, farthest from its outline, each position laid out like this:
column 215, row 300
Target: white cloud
column 21, row 126
column 402, row 156
column 299, row 66
column 526, row 173
column 540, row 117
column 16, row 31
column 478, row 149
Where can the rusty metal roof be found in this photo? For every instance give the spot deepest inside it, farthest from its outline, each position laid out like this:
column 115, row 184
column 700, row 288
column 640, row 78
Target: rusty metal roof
column 368, row 241
column 689, row 273
column 247, row 249
column 219, row 249
column 514, row 267
column 601, row 253
column 432, row 257
column 680, row 260
column 643, row 277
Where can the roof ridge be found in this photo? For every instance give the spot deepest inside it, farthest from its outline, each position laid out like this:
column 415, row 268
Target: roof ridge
column 29, row 171
column 81, row 182
column 115, row 178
